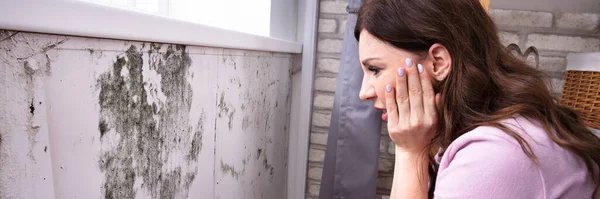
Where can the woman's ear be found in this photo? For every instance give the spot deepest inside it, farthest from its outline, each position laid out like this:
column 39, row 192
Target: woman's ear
column 441, row 61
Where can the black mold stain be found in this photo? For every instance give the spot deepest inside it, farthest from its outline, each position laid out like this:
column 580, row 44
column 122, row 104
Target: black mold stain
column 169, row 190
column 48, row 66
column 231, row 120
column 224, row 109
column 45, row 148
column 102, row 127
column 189, row 178
column 144, row 141
column 7, row 35
column 258, row 154
column 197, row 140
column 31, row 108
column 246, row 122
column 227, row 169
column 268, row 167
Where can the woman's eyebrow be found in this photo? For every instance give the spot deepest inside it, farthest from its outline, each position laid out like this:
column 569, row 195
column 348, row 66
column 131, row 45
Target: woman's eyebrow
column 365, row 61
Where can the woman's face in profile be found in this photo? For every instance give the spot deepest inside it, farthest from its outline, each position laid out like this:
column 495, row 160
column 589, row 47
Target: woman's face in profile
column 380, row 62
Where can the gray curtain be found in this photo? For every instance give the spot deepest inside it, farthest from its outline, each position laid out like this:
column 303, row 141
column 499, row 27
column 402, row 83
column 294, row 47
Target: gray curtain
column 350, row 166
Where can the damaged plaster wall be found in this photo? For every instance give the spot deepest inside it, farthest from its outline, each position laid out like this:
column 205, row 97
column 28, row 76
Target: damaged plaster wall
column 91, row 118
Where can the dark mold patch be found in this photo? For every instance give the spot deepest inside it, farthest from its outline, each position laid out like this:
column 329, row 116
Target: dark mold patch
column 102, row 127
column 6, row 35
column 31, row 108
column 189, row 178
column 231, row 120
column 246, row 122
column 197, row 140
column 224, row 109
column 45, row 148
column 171, row 184
column 268, row 167
column 227, row 169
column 44, row 49
column 147, row 134
column 258, row 154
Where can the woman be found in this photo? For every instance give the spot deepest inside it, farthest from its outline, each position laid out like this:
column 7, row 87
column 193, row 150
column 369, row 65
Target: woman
column 462, row 109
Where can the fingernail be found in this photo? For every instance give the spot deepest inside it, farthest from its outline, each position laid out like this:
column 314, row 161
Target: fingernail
column 409, row 62
column 401, row 72
column 388, row 88
column 420, row 68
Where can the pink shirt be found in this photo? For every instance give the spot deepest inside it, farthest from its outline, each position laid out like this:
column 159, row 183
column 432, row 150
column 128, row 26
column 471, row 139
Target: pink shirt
column 488, row 163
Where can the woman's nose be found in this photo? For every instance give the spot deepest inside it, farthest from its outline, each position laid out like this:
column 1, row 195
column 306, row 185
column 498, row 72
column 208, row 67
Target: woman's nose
column 366, row 93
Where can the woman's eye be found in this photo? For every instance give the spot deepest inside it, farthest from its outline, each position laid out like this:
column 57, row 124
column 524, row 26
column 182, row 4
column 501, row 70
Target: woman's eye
column 373, row 69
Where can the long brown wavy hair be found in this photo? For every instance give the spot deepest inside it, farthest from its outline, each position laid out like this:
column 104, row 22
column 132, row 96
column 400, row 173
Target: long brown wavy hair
column 487, row 83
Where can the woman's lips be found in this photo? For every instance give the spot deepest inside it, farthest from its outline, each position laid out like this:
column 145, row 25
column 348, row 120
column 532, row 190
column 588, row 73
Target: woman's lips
column 384, row 115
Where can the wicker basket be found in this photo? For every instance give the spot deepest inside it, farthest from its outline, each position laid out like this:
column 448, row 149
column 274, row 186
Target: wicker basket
column 582, row 92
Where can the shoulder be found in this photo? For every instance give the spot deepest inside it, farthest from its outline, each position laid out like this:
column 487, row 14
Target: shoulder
column 492, row 140
column 490, row 164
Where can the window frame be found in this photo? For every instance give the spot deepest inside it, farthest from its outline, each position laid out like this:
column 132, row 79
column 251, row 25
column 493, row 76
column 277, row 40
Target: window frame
column 96, row 20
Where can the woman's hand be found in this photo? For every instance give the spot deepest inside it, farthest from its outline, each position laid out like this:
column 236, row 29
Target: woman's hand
column 411, row 109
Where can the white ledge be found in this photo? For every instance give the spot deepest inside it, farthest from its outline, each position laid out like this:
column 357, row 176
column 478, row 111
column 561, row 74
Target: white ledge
column 76, row 18
column 584, row 61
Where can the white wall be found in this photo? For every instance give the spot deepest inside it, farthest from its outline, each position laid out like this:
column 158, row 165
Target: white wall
column 86, row 118
column 573, row 6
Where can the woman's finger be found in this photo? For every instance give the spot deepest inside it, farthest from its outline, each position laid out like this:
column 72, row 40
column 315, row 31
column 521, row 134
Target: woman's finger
column 415, row 92
column 429, row 105
column 390, row 105
column 402, row 94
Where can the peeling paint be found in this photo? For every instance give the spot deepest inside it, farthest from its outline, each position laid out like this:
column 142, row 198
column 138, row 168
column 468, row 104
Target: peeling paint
column 147, row 135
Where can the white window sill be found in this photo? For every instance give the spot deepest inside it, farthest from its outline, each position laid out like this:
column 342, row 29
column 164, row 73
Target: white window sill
column 77, row 18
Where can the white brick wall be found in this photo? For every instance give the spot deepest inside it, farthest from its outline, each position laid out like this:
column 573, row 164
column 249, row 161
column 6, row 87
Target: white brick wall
column 563, row 43
column 522, row 18
column 318, row 138
column 586, row 21
column 313, row 189
column 321, row 119
column 557, row 85
column 316, row 155
column 329, row 46
column 328, row 65
column 334, row 7
column 325, row 84
column 315, row 173
column 323, row 101
column 553, row 64
column 385, row 165
column 507, row 38
column 327, row 25
column 392, row 148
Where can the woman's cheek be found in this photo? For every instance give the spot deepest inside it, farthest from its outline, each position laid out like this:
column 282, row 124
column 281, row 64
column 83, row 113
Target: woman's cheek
column 381, row 91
